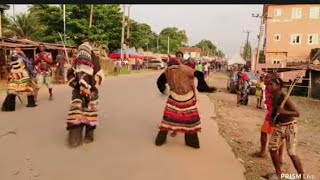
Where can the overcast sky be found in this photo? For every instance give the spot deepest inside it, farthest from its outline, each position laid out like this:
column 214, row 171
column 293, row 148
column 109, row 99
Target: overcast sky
column 222, row 24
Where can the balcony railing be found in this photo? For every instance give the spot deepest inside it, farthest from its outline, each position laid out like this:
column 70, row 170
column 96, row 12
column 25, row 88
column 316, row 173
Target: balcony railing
column 297, row 63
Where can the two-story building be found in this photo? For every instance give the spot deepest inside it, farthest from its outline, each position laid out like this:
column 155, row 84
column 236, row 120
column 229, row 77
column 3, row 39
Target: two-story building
column 290, row 32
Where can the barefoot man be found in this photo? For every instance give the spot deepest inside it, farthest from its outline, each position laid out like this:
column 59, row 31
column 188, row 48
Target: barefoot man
column 42, row 63
column 267, row 128
column 286, row 127
column 181, row 114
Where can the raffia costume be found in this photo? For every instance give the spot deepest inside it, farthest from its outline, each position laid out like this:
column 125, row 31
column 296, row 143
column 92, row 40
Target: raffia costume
column 20, row 82
column 84, row 77
column 181, row 113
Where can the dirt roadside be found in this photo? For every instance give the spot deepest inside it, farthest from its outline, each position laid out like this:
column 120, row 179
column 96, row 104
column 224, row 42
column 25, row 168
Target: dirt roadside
column 240, row 126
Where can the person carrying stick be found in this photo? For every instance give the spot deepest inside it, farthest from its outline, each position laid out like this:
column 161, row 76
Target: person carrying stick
column 285, row 127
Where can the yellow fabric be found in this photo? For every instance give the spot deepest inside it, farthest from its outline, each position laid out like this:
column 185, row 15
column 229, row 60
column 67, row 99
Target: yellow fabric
column 259, row 89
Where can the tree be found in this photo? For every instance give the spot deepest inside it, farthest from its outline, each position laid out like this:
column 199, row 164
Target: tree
column 50, row 22
column 106, row 25
column 208, row 47
column 247, row 52
column 178, row 38
column 141, row 34
column 24, row 26
column 262, row 57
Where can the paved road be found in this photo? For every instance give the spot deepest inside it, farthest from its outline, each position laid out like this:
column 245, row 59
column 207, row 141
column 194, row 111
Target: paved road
column 124, row 148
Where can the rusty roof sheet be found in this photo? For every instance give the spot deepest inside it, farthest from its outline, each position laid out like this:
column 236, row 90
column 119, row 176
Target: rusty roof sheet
column 35, row 43
column 15, row 45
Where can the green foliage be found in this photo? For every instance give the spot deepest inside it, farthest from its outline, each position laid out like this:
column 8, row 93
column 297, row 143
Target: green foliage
column 209, row 48
column 49, row 21
column 178, row 38
column 44, row 22
column 106, row 25
column 141, row 34
column 23, row 26
column 262, row 57
column 247, row 52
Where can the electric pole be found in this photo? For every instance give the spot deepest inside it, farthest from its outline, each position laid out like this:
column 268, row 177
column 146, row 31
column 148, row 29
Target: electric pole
column 91, row 13
column 64, row 23
column 263, row 18
column 122, row 33
column 128, row 25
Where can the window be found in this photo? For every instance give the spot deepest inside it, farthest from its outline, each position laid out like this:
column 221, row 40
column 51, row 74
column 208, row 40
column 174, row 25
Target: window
column 314, row 13
column 277, row 12
column 295, row 38
column 312, row 39
column 296, row 13
column 276, row 37
column 276, row 61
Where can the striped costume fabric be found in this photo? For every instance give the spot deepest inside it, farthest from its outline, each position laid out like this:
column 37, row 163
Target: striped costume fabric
column 82, row 111
column 20, row 81
column 181, row 114
column 84, row 105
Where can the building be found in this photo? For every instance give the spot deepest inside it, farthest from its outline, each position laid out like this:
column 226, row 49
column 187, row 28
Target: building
column 290, row 32
column 29, row 47
column 192, row 52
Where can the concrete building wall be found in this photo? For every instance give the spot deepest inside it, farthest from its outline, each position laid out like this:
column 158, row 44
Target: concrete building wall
column 283, row 23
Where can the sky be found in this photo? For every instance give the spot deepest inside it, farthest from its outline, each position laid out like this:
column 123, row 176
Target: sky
column 224, row 25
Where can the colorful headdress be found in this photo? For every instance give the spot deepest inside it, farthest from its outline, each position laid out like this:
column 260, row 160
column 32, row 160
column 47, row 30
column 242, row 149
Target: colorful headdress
column 84, row 59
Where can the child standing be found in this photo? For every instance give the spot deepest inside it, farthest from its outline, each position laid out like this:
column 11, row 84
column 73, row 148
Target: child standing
column 259, row 92
column 286, row 127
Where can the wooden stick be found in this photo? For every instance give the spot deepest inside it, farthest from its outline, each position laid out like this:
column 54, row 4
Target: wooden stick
column 65, row 50
column 287, row 96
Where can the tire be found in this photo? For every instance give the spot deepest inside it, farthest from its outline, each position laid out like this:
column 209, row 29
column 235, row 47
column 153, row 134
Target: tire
column 158, row 67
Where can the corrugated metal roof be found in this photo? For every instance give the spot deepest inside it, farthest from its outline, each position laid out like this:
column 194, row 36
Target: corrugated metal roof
column 15, row 45
column 12, row 43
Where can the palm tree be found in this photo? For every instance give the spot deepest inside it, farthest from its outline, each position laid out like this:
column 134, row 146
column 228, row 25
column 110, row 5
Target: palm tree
column 23, row 25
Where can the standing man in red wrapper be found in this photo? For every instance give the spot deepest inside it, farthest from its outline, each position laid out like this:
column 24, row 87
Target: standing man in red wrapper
column 267, row 128
column 181, row 113
column 42, row 63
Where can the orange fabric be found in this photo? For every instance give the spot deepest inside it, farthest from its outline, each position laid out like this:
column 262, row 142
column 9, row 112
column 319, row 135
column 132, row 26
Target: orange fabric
column 267, row 127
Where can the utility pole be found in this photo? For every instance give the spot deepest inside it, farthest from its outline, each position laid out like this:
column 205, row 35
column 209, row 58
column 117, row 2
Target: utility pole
column 128, row 28
column 91, row 13
column 263, row 18
column 64, row 23
column 246, row 45
column 122, row 33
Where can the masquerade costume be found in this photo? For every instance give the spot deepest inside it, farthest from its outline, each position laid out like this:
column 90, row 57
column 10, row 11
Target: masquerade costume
column 84, row 77
column 181, row 113
column 19, row 82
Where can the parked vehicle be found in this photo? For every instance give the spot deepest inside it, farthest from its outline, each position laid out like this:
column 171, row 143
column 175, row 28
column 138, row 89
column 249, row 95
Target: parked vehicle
column 231, row 84
column 155, row 64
